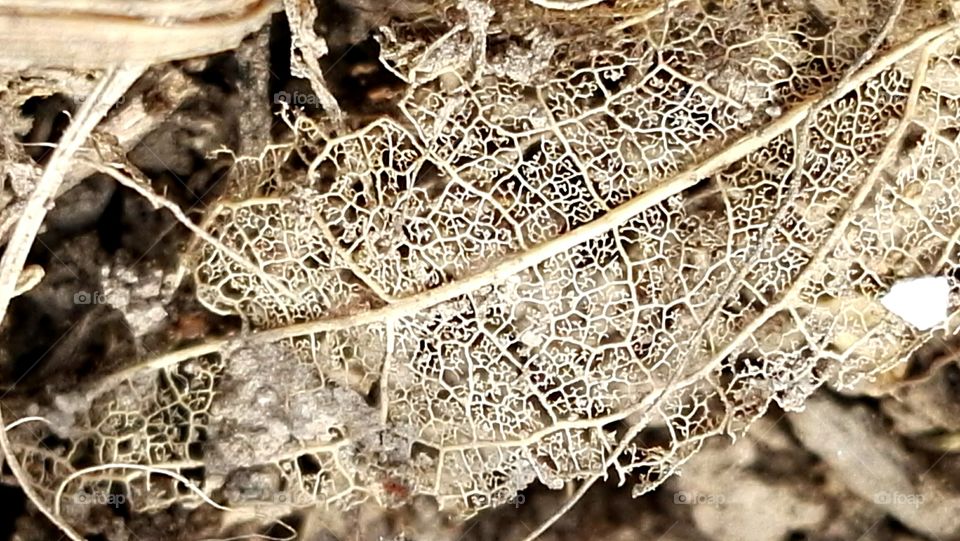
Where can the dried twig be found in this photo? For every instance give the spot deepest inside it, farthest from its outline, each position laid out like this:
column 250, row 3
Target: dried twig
column 253, row 55
column 140, row 116
column 104, row 33
column 306, row 49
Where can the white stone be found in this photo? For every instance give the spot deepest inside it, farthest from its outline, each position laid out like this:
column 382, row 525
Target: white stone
column 921, row 302
column 531, row 339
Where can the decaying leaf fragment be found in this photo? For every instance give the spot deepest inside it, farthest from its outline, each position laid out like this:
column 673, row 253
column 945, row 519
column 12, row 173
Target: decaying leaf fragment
column 553, row 274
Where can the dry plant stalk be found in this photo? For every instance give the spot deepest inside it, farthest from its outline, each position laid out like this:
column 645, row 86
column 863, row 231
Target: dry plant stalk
column 105, row 33
column 588, row 240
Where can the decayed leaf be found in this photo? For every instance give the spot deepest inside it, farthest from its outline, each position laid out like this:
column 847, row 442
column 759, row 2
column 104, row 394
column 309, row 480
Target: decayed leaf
column 541, row 271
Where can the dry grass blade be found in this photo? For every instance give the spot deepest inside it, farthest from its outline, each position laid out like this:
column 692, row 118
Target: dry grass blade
column 94, row 34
